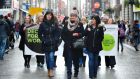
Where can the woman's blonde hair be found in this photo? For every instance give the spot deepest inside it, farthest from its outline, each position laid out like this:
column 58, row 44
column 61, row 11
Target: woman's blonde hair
column 38, row 16
column 85, row 19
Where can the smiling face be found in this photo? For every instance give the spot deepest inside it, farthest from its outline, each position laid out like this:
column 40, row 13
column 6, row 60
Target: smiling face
column 48, row 16
column 110, row 21
column 84, row 20
column 73, row 18
column 40, row 18
column 93, row 22
column 27, row 19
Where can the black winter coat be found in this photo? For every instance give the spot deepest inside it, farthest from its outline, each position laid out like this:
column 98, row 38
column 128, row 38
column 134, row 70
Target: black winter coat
column 94, row 38
column 49, row 34
column 22, row 40
column 69, row 39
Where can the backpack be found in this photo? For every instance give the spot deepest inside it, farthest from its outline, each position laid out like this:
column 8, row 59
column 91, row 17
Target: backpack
column 121, row 32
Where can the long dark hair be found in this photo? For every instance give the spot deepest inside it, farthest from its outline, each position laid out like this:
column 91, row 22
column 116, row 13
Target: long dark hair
column 97, row 18
column 48, row 12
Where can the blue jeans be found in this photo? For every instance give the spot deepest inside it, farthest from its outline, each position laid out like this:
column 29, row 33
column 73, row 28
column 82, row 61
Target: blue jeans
column 2, row 46
column 17, row 35
column 93, row 63
column 49, row 59
column 139, row 38
column 136, row 42
column 120, row 40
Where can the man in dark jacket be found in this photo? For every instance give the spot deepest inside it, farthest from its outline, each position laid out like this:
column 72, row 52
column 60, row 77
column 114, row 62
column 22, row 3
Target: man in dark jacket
column 136, row 32
column 4, row 30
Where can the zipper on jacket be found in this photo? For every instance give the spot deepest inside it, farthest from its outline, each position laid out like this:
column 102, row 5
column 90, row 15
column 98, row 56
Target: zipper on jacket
column 50, row 37
column 94, row 37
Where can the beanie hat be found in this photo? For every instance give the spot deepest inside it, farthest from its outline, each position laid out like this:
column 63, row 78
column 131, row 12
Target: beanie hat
column 74, row 13
column 97, row 18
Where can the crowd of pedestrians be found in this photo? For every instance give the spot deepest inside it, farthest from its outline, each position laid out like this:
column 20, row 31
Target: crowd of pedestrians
column 82, row 37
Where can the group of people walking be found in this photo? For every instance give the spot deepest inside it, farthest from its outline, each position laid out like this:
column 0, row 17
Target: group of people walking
column 73, row 30
column 79, row 36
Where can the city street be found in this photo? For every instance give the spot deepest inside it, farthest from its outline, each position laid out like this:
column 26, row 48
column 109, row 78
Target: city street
column 127, row 67
column 89, row 26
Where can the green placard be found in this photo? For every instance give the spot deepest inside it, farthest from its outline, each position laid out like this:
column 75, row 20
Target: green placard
column 108, row 42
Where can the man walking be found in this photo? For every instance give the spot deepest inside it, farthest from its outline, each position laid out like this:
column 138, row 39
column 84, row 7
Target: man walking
column 4, row 30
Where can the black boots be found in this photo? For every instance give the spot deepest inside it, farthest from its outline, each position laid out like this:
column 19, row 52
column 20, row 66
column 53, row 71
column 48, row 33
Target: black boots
column 136, row 48
column 26, row 64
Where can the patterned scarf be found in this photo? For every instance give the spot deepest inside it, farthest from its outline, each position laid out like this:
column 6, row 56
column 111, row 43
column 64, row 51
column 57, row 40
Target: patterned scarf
column 72, row 26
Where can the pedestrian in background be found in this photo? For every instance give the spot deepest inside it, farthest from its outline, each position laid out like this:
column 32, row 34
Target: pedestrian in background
column 72, row 31
column 83, row 58
column 65, row 20
column 94, row 36
column 27, row 23
column 39, row 58
column 4, row 33
column 121, row 34
column 49, row 35
column 17, row 27
column 136, row 32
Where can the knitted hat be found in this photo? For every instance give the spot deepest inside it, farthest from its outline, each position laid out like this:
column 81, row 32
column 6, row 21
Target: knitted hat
column 74, row 13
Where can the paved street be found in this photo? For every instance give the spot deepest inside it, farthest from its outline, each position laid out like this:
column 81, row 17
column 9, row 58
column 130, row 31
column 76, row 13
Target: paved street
column 128, row 67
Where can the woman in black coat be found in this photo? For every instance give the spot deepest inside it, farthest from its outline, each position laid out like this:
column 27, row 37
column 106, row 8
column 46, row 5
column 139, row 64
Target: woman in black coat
column 49, row 35
column 27, row 23
column 94, row 35
column 72, row 31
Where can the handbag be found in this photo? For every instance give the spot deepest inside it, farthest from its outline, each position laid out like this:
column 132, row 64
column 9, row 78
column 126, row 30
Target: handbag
column 79, row 43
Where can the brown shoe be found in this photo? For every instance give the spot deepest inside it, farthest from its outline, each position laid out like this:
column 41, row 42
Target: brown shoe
column 48, row 72
column 51, row 73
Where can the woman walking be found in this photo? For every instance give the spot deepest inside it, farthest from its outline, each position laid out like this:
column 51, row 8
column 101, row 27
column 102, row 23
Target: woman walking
column 49, row 35
column 94, row 36
column 72, row 31
column 27, row 23
column 39, row 58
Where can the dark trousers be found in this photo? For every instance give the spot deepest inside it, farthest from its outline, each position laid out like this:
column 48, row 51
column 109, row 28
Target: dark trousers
column 110, row 60
column 55, row 58
column 136, row 42
column 72, row 57
column 99, row 61
column 120, row 41
column 27, row 58
column 40, row 59
column 84, row 60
